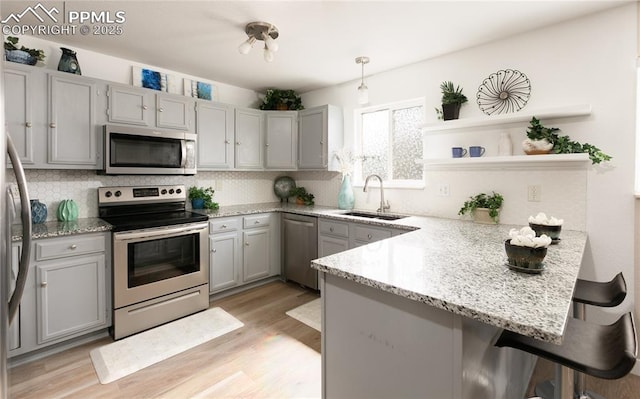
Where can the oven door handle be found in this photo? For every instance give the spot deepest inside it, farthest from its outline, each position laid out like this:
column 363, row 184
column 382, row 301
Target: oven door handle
column 167, row 232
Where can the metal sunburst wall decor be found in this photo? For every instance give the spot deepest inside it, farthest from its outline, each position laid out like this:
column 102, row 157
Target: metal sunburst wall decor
column 503, row 92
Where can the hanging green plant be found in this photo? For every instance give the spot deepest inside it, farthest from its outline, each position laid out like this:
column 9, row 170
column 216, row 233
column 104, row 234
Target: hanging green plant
column 281, row 100
column 563, row 144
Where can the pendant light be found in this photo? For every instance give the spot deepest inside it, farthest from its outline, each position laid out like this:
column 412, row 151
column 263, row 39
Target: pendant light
column 363, row 90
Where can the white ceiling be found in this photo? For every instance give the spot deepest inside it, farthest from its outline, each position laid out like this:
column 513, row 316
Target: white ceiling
column 319, row 40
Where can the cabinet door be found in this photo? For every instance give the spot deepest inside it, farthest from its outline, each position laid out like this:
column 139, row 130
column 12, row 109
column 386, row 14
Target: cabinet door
column 281, row 140
column 70, row 296
column 224, row 261
column 131, row 106
column 215, row 126
column 173, row 112
column 313, row 138
column 249, row 139
column 72, row 133
column 331, row 245
column 255, row 260
column 17, row 110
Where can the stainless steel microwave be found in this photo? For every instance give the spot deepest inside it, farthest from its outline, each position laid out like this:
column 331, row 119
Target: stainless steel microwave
column 145, row 151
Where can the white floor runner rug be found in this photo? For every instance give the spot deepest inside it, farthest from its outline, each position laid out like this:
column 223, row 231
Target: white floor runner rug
column 309, row 313
column 124, row 357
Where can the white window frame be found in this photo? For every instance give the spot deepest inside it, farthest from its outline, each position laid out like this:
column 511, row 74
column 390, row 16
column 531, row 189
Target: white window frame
column 357, row 117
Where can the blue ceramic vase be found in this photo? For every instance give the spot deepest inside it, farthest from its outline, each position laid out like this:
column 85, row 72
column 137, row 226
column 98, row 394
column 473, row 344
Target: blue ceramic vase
column 197, row 203
column 346, row 199
column 67, row 211
column 38, row 211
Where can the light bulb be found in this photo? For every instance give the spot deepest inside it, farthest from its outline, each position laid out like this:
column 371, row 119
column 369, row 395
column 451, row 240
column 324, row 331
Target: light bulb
column 268, row 54
column 363, row 94
column 271, row 43
column 246, row 46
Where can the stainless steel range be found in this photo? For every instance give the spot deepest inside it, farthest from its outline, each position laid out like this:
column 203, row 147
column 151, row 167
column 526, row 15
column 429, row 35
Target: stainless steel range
column 160, row 250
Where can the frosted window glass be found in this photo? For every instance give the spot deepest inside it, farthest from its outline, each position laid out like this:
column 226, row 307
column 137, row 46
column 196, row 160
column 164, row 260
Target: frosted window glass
column 407, row 144
column 375, row 144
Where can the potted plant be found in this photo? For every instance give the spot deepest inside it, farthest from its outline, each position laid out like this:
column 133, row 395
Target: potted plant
column 281, row 100
column 452, row 100
column 302, row 196
column 484, row 208
column 201, row 198
column 22, row 55
column 542, row 140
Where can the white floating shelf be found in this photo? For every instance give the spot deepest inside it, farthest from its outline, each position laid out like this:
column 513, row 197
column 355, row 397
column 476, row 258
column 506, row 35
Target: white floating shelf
column 504, row 119
column 549, row 161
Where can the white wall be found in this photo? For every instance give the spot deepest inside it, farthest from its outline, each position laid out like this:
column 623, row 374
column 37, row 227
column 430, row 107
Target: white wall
column 591, row 60
column 101, row 66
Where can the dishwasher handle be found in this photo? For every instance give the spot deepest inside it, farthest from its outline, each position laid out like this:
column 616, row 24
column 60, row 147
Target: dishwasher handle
column 299, row 223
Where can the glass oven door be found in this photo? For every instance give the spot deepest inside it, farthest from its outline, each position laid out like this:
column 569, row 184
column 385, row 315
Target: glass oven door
column 155, row 262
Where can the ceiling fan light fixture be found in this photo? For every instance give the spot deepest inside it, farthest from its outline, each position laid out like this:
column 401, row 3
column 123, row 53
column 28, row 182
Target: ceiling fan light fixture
column 363, row 90
column 261, row 31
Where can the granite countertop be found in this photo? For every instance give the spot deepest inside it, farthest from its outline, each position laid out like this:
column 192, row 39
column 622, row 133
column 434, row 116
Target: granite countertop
column 58, row 229
column 460, row 266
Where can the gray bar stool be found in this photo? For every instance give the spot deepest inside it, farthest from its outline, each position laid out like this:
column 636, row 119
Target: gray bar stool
column 602, row 294
column 603, row 351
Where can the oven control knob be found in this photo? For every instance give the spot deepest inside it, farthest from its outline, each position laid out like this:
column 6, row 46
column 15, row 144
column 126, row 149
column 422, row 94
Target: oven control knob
column 170, row 191
column 108, row 194
column 118, row 193
column 164, row 191
column 178, row 190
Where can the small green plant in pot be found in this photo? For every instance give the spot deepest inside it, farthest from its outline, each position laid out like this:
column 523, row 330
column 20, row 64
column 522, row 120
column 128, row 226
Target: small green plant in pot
column 302, row 196
column 202, row 198
column 452, row 100
column 281, row 100
column 483, row 205
column 22, row 54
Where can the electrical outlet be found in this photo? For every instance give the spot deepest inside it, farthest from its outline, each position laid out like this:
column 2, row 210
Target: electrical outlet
column 534, row 193
column 443, row 190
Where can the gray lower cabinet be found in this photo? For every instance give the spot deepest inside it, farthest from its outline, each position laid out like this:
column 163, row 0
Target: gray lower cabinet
column 67, row 293
column 243, row 249
column 333, row 237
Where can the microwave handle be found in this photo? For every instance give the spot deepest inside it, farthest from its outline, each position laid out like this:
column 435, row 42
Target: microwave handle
column 183, row 149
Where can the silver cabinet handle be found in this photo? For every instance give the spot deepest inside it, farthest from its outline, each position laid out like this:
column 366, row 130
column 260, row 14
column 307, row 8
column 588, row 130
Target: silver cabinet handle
column 246, row 243
column 28, row 124
column 331, row 229
column 73, row 246
column 224, row 226
column 369, row 236
column 256, row 222
column 226, row 141
column 52, row 125
column 266, row 145
column 144, row 107
column 43, row 284
column 237, row 143
column 160, row 110
column 214, row 250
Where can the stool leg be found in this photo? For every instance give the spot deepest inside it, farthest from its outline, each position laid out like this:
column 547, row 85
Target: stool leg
column 580, row 378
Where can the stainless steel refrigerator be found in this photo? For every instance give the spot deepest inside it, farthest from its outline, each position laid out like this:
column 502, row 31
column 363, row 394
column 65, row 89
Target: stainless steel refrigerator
column 11, row 286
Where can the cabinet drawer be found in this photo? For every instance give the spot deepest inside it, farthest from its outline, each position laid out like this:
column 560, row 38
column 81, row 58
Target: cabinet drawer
column 68, row 246
column 370, row 234
column 256, row 221
column 222, row 225
column 329, row 227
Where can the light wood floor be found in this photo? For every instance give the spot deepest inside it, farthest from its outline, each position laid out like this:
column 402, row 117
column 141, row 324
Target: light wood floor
column 272, row 356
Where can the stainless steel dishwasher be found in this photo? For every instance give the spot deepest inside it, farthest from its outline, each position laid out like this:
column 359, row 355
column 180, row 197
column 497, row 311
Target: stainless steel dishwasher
column 300, row 238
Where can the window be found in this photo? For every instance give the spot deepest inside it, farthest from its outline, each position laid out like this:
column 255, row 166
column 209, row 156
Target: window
column 388, row 142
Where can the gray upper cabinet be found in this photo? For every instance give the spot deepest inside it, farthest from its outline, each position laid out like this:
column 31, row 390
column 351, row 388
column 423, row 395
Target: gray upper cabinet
column 281, row 140
column 145, row 107
column 19, row 116
column 320, row 134
column 72, row 128
column 215, row 127
column 249, row 138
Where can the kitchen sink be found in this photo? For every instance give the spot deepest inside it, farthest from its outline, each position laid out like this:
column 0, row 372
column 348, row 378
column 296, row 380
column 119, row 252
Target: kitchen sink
column 372, row 215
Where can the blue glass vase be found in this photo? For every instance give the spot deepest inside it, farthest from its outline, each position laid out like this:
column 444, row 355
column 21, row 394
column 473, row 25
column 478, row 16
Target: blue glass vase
column 346, row 199
column 38, row 211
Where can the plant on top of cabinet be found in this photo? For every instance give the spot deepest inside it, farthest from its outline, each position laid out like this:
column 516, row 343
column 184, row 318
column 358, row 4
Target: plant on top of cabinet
column 541, row 140
column 281, row 100
column 22, row 55
column 452, row 100
column 201, row 198
column 302, row 196
column 484, row 208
